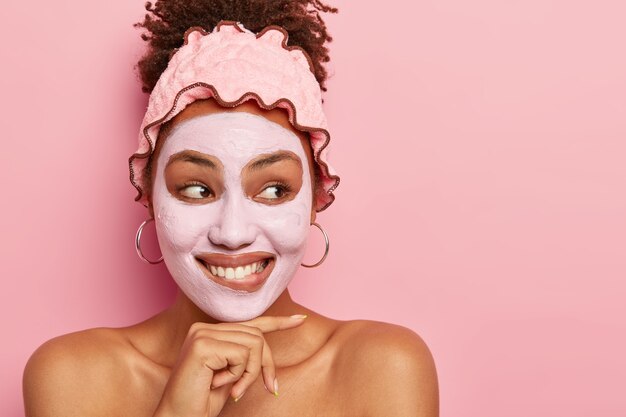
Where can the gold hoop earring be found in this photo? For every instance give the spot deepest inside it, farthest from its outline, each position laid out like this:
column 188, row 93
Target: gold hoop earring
column 325, row 252
column 138, row 245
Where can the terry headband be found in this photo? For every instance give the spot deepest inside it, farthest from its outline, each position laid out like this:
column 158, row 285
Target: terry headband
column 231, row 65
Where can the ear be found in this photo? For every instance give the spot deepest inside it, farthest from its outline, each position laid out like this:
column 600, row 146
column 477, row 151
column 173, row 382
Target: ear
column 313, row 215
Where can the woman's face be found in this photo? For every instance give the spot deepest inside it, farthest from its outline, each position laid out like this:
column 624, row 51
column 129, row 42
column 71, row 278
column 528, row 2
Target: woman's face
column 232, row 203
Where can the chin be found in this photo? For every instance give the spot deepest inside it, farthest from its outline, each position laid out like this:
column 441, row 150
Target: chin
column 232, row 318
column 232, row 315
column 225, row 304
column 232, row 306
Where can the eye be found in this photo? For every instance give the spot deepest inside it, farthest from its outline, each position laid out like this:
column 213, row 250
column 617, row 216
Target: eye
column 274, row 192
column 195, row 191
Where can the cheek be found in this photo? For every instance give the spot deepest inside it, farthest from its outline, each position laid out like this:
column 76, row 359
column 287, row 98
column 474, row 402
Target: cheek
column 180, row 227
column 286, row 225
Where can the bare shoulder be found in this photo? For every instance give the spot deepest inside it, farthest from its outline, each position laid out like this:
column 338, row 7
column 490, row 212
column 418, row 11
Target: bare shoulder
column 71, row 371
column 390, row 369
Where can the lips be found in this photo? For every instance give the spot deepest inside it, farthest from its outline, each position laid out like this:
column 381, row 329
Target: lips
column 244, row 272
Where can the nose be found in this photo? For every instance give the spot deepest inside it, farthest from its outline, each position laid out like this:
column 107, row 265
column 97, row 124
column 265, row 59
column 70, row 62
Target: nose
column 235, row 228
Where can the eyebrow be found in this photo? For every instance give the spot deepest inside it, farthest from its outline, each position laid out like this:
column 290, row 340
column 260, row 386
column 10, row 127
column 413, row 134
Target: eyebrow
column 187, row 156
column 272, row 159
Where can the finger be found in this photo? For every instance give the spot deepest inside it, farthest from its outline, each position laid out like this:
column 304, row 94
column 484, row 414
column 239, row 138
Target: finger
column 269, row 324
column 265, row 362
column 228, row 359
column 268, row 368
column 262, row 324
column 250, row 374
column 218, row 398
column 190, row 381
column 250, row 341
column 265, row 323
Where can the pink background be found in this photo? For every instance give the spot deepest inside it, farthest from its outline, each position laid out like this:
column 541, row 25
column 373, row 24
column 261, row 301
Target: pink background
column 481, row 147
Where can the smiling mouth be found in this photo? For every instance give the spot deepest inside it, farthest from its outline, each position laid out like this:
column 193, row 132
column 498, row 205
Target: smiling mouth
column 247, row 272
column 239, row 272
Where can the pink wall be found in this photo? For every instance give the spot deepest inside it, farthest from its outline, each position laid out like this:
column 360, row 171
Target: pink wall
column 492, row 222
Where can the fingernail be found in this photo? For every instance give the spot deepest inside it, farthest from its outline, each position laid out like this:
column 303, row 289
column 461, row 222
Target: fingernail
column 238, row 398
column 275, row 387
column 300, row 316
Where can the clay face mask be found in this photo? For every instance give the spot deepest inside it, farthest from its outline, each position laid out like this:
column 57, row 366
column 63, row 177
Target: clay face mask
column 231, row 237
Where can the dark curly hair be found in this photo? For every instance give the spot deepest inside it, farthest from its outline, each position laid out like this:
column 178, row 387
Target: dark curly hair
column 168, row 20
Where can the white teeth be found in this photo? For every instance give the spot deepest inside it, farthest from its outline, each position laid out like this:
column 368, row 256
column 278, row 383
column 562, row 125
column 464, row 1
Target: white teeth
column 239, row 272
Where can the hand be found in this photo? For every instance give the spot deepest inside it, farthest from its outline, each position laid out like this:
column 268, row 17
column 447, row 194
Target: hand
column 218, row 360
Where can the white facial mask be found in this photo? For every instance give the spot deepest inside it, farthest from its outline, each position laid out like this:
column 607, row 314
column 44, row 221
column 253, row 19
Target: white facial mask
column 233, row 224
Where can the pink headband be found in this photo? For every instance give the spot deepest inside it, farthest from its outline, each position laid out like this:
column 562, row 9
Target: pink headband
column 232, row 65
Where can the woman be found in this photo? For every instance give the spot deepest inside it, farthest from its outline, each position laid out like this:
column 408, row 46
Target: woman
column 232, row 167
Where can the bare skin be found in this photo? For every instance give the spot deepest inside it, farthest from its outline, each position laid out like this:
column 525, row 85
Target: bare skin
column 166, row 365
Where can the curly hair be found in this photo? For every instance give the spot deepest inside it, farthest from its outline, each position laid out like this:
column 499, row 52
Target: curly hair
column 168, row 20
